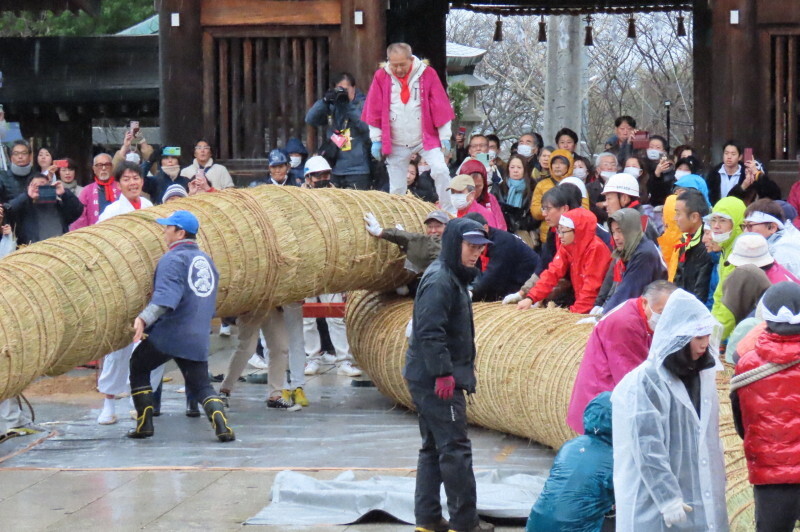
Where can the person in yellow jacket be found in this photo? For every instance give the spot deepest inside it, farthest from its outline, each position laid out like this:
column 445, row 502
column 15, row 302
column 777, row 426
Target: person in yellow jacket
column 725, row 220
column 560, row 167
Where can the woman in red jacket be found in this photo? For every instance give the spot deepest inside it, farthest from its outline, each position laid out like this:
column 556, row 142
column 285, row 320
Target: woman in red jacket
column 765, row 396
column 581, row 253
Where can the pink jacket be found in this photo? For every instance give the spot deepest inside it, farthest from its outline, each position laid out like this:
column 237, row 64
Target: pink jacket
column 483, row 211
column 436, row 108
column 91, row 205
column 777, row 274
column 794, row 200
column 618, row 344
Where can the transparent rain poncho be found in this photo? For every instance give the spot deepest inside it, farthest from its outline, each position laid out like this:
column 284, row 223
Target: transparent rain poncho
column 662, row 451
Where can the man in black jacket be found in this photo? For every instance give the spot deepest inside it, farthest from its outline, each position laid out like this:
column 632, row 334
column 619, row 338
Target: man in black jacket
column 694, row 263
column 440, row 368
column 506, row 265
column 35, row 218
column 20, row 171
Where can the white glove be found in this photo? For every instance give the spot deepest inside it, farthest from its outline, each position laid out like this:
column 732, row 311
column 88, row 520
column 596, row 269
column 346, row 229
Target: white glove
column 596, row 311
column 512, row 299
column 399, row 227
column 402, row 290
column 373, row 226
column 675, row 512
column 470, row 294
column 590, row 319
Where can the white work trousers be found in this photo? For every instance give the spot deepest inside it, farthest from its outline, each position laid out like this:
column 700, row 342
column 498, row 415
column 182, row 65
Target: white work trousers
column 293, row 316
column 397, row 167
column 336, row 329
column 113, row 380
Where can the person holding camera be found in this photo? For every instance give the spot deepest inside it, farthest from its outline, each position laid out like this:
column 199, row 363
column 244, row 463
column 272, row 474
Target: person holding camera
column 43, row 210
column 346, row 136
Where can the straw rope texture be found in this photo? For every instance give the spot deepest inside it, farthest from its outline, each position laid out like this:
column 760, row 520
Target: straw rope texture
column 526, row 365
column 69, row 300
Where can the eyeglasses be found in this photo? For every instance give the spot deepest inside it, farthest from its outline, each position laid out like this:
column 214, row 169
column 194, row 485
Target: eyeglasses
column 102, row 165
column 20, row 153
column 748, row 226
column 202, row 147
column 562, row 232
column 718, row 220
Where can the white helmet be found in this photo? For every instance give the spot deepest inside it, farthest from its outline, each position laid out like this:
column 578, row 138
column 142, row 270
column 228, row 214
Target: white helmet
column 316, row 164
column 622, row 184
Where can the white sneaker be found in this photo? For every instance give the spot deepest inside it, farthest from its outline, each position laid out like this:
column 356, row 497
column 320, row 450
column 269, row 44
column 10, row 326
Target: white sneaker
column 348, row 369
column 258, row 362
column 312, row 367
column 224, row 330
column 327, row 359
column 342, row 358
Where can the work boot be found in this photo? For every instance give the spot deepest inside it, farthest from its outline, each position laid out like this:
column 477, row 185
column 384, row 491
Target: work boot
column 143, row 402
column 443, row 525
column 191, row 408
column 481, row 526
column 215, row 410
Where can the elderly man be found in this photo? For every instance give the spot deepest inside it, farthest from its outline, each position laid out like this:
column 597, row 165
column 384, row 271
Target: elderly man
column 607, row 166
column 421, row 249
column 408, row 112
column 619, row 343
column 339, row 111
column 37, row 218
column 766, row 218
column 14, row 181
column 97, row 195
column 668, row 462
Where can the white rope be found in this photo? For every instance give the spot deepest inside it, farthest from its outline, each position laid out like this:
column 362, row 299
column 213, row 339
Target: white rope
column 749, row 377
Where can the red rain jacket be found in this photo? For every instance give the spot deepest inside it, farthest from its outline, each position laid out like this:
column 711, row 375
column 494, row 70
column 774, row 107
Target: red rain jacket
column 771, row 412
column 586, row 259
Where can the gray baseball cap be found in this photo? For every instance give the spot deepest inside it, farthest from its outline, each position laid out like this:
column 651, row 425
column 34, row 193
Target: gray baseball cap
column 439, row 216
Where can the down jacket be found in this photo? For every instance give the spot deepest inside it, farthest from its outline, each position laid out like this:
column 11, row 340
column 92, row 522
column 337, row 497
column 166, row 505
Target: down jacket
column 586, row 260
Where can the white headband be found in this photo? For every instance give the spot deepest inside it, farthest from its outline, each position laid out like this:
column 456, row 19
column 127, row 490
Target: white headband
column 758, row 217
column 784, row 315
column 566, row 222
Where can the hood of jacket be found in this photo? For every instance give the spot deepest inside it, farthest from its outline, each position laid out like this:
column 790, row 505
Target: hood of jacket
column 683, row 318
column 696, row 182
column 450, row 254
column 416, row 68
column 630, row 222
column 597, row 417
column 295, row 145
column 568, row 156
column 733, row 208
column 778, row 348
column 585, row 222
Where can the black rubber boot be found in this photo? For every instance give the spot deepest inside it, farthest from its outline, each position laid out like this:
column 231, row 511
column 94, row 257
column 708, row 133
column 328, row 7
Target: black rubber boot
column 191, row 408
column 157, row 400
column 215, row 410
column 143, row 402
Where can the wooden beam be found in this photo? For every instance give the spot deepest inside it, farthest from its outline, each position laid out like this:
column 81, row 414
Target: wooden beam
column 209, row 86
column 792, row 103
column 283, row 12
column 224, row 102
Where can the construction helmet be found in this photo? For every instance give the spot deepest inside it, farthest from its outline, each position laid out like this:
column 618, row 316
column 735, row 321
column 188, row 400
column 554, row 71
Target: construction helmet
column 622, row 184
column 316, row 164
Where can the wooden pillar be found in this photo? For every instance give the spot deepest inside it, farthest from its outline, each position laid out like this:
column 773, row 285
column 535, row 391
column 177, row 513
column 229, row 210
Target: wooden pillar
column 359, row 49
column 181, row 64
column 703, row 69
column 422, row 24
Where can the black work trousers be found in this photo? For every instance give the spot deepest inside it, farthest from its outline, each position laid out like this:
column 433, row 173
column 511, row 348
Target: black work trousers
column 146, row 358
column 777, row 507
column 445, row 457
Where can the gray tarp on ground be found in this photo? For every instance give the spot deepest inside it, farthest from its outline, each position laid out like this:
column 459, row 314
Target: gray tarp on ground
column 299, row 499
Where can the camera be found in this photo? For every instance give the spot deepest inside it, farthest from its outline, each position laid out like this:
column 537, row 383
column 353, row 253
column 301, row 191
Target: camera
column 47, row 194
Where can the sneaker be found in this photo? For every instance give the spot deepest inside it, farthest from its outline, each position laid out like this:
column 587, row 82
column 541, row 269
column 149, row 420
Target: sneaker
column 258, row 362
column 224, row 330
column 348, row 369
column 342, row 358
column 299, row 397
column 327, row 359
column 280, row 402
column 312, row 367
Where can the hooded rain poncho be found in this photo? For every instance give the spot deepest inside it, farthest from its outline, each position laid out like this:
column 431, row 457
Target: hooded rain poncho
column 664, row 451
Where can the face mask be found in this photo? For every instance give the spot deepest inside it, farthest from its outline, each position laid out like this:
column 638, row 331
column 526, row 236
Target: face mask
column 295, row 161
column 492, row 155
column 605, row 175
column 580, row 173
column 681, row 173
column 632, row 170
column 21, row 170
column 459, row 201
column 172, row 171
column 719, row 238
column 524, row 150
column 653, row 320
column 483, row 157
column 654, row 155
column 322, row 183
column 424, row 168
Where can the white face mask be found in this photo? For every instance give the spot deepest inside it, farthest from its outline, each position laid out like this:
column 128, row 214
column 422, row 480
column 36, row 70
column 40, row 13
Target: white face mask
column 459, row 200
column 719, row 238
column 653, row 320
column 681, row 173
column 492, row 155
column 524, row 150
column 580, row 173
column 424, row 168
column 653, row 155
column 171, row 171
column 295, row 161
column 606, row 174
column 632, row 170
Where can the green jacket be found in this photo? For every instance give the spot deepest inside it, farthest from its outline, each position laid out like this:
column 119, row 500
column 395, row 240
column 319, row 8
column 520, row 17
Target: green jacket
column 420, row 249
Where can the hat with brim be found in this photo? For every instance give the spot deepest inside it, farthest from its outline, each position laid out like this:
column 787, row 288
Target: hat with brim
column 476, row 237
column 460, row 183
column 438, row 216
column 182, row 220
column 750, row 248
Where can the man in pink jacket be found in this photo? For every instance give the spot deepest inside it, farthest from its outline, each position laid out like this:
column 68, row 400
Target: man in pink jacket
column 618, row 344
column 99, row 194
column 408, row 112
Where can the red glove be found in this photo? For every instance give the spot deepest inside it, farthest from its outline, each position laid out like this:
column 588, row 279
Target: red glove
column 445, row 386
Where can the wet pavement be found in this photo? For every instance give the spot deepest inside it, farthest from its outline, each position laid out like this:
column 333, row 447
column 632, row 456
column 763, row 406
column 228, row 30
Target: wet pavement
column 91, row 477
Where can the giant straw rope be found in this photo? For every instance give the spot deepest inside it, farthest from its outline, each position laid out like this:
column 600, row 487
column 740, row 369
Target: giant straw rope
column 526, row 365
column 69, row 300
